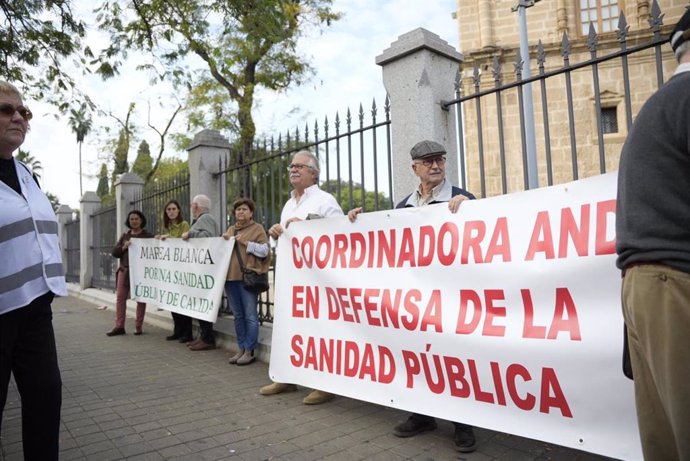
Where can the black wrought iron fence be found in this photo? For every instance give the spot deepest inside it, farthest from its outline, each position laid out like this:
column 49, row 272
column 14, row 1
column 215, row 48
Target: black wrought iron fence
column 355, row 162
column 104, row 238
column 582, row 109
column 72, row 252
column 154, row 196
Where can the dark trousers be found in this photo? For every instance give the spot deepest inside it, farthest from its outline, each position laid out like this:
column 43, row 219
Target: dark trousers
column 207, row 335
column 426, row 419
column 27, row 351
column 182, row 325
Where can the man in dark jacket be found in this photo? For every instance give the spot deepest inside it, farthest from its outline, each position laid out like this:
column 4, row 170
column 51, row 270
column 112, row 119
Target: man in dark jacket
column 203, row 225
column 429, row 164
column 653, row 245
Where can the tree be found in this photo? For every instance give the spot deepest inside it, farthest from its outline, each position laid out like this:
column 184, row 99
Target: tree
column 54, row 200
column 103, row 188
column 80, row 122
column 161, row 136
column 120, row 163
column 169, row 168
column 341, row 191
column 36, row 37
column 28, row 159
column 242, row 43
column 143, row 163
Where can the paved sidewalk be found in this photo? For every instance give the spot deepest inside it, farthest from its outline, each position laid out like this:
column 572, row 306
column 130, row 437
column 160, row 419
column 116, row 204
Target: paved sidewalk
column 144, row 398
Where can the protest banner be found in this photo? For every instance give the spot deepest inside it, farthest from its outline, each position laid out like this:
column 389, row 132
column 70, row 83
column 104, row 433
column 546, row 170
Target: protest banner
column 181, row 276
column 505, row 315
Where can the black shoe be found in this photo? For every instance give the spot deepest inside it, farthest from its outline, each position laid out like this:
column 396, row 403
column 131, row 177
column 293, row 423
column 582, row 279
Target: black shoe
column 172, row 337
column 414, row 425
column 465, row 442
column 116, row 332
column 185, row 339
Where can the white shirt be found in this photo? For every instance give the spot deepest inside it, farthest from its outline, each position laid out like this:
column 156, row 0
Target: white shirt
column 313, row 201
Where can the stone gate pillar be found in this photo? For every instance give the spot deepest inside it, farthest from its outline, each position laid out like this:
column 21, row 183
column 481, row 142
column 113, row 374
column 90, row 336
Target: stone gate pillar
column 206, row 155
column 88, row 204
column 419, row 73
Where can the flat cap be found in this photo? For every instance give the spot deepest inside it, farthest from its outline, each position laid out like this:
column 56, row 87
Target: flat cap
column 424, row 149
column 681, row 33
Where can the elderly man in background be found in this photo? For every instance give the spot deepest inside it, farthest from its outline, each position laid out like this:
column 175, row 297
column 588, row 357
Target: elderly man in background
column 31, row 275
column 429, row 165
column 203, row 225
column 307, row 201
column 653, row 246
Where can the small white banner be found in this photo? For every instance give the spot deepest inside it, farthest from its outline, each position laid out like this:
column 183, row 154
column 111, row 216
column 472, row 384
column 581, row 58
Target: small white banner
column 505, row 315
column 186, row 277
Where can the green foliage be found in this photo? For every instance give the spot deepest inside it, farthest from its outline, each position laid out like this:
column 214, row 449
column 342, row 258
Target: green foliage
column 29, row 160
column 169, row 168
column 341, row 191
column 103, row 188
column 54, row 200
column 144, row 162
column 36, row 37
column 80, row 122
column 120, row 155
column 242, row 44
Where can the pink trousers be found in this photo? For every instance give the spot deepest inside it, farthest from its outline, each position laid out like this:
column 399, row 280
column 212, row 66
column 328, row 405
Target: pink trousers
column 122, row 293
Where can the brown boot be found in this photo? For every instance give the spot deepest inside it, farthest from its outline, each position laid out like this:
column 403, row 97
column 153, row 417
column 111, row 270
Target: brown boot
column 277, row 388
column 318, row 397
column 116, row 332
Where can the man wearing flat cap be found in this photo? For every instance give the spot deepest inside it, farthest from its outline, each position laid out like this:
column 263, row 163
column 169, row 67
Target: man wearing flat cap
column 653, row 246
column 429, row 165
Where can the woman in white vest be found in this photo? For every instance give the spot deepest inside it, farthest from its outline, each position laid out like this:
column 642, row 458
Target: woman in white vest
column 31, row 275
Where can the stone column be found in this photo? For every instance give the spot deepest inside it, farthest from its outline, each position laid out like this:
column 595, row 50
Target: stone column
column 127, row 187
column 88, row 204
column 419, row 73
column 206, row 153
column 64, row 216
column 562, row 18
column 486, row 27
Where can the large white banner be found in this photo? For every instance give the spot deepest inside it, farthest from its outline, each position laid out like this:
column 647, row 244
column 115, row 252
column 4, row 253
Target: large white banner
column 186, row 277
column 505, row 315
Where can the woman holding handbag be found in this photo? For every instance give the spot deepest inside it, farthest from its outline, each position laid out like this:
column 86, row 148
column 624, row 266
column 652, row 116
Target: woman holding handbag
column 251, row 252
column 136, row 222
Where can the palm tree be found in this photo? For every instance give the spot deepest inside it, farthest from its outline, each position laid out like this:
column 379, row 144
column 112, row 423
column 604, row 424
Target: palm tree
column 80, row 122
column 28, row 159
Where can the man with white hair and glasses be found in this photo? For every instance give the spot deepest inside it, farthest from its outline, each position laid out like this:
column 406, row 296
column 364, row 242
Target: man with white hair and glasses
column 307, row 201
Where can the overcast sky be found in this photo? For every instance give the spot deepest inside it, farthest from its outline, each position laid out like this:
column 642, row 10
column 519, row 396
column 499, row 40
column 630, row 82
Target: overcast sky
column 346, row 75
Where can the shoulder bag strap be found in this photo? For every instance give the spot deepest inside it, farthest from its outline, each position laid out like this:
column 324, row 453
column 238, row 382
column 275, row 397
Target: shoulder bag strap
column 237, row 251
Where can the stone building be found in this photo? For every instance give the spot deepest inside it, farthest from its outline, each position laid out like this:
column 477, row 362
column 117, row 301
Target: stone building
column 490, row 37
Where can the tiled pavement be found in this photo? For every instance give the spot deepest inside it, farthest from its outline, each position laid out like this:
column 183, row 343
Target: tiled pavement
column 144, row 398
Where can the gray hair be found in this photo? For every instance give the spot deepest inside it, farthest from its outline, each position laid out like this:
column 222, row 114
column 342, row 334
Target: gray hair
column 8, row 88
column 202, row 201
column 681, row 50
column 313, row 160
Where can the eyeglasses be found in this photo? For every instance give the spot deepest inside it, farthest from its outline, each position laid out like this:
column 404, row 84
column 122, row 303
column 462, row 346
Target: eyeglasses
column 429, row 162
column 298, row 166
column 9, row 110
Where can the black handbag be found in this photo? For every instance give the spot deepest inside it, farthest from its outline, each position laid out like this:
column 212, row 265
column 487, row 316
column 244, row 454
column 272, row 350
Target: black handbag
column 253, row 281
